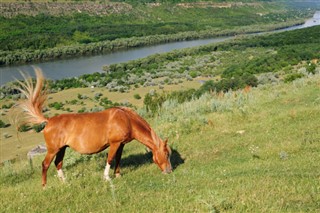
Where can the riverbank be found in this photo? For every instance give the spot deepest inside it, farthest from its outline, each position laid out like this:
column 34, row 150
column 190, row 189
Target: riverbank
column 62, row 38
column 29, row 56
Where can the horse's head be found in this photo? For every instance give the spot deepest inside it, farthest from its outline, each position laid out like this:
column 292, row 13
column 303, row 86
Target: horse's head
column 161, row 157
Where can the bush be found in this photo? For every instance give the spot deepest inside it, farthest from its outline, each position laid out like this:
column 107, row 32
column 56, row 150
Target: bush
column 24, row 128
column 56, row 105
column 83, row 109
column 293, row 77
column 7, row 106
column 97, row 96
column 2, row 124
column 137, row 96
column 311, row 68
column 39, row 127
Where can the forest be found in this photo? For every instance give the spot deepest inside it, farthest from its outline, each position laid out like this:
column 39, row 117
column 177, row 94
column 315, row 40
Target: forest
column 44, row 36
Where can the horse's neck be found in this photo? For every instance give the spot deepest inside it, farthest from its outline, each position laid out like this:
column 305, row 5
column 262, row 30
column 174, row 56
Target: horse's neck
column 147, row 139
column 142, row 131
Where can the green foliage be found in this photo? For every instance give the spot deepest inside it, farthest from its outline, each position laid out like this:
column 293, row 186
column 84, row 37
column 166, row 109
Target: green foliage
column 234, row 83
column 97, row 96
column 81, row 37
column 7, row 106
column 106, row 103
column 292, row 77
column 56, row 105
column 290, row 48
column 154, row 101
column 2, row 124
column 39, row 127
column 44, row 37
column 311, row 68
column 82, row 110
column 80, row 97
column 137, row 96
column 24, row 128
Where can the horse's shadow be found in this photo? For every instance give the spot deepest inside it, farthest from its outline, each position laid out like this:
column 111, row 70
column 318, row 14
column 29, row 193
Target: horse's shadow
column 138, row 160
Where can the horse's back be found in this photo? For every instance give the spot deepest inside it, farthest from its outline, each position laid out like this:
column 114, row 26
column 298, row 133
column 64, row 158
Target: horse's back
column 88, row 132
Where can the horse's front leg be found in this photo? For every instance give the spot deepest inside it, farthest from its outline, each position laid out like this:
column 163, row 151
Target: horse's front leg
column 112, row 152
column 118, row 159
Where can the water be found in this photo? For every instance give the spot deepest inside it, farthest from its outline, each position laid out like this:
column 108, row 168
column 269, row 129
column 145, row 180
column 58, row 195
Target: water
column 66, row 68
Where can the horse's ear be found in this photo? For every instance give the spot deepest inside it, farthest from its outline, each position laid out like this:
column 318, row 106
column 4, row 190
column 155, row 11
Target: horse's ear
column 166, row 141
column 167, row 147
column 164, row 144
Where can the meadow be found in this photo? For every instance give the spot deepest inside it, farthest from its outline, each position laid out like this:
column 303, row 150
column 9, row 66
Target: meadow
column 244, row 151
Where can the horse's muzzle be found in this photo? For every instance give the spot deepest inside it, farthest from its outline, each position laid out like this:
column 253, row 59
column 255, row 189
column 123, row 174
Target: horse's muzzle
column 167, row 170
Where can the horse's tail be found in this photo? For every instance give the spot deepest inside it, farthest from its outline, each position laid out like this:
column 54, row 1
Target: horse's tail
column 29, row 110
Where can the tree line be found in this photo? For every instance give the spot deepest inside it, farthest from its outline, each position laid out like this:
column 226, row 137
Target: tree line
column 44, row 37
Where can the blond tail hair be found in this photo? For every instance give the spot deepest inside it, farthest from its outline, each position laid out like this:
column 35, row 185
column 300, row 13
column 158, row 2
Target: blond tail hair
column 29, row 110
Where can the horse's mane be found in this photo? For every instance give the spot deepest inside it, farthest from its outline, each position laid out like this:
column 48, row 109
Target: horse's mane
column 135, row 116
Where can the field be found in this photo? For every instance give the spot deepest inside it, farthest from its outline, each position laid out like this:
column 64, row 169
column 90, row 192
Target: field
column 241, row 152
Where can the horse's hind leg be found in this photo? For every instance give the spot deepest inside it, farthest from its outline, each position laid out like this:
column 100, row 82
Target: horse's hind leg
column 118, row 158
column 112, row 152
column 58, row 162
column 45, row 166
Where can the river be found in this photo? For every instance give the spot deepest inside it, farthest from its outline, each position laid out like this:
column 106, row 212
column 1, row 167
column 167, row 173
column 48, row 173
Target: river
column 66, row 68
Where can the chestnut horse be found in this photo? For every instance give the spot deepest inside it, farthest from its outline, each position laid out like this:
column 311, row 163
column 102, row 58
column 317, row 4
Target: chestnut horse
column 88, row 133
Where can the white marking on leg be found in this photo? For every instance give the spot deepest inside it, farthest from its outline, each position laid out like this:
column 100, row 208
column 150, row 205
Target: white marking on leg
column 61, row 175
column 106, row 172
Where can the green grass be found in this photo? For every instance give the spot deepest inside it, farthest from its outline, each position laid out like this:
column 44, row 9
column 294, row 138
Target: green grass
column 255, row 152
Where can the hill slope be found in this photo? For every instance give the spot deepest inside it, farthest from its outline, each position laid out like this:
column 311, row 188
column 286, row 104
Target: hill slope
column 241, row 152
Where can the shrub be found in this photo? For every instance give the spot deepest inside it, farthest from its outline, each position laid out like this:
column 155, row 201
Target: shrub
column 2, row 124
column 193, row 74
column 293, row 77
column 311, row 68
column 39, row 127
column 56, row 105
column 137, row 96
column 24, row 128
column 106, row 103
column 82, row 96
column 83, row 109
column 7, row 106
column 97, row 96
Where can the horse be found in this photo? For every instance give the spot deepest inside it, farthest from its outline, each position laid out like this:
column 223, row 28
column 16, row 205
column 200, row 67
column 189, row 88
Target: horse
column 86, row 133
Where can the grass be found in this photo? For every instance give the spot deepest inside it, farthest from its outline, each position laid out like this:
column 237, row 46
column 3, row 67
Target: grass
column 257, row 152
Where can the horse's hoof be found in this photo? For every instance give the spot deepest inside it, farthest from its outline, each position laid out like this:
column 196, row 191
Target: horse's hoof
column 107, row 178
column 118, row 175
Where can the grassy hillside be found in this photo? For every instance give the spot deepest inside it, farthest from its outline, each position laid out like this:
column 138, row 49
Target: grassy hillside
column 237, row 152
